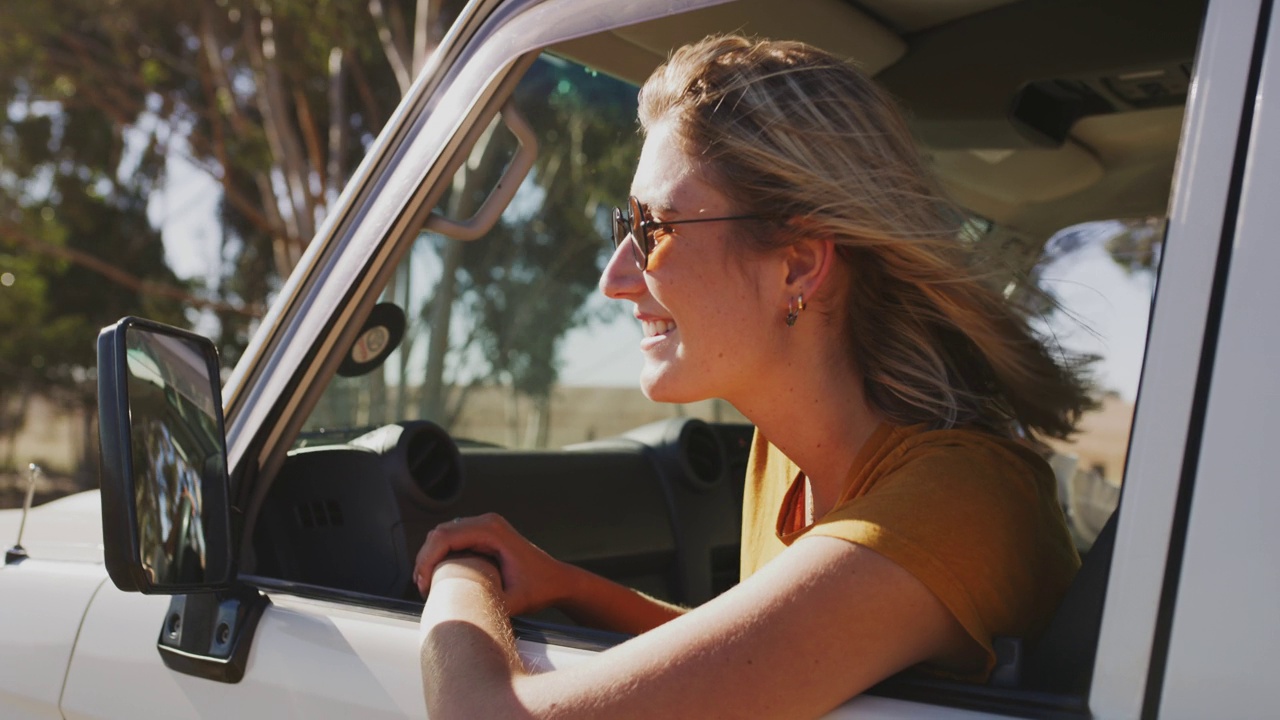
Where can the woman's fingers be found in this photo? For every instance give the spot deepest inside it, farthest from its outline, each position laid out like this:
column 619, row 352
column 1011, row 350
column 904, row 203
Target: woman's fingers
column 487, row 534
column 441, row 540
column 530, row 577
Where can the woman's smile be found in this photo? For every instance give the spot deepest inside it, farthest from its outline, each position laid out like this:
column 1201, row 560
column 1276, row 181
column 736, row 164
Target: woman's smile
column 658, row 332
column 655, row 328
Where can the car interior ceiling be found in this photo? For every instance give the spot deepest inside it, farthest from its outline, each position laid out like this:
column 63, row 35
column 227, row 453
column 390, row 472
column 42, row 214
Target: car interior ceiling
column 1058, row 113
column 1037, row 114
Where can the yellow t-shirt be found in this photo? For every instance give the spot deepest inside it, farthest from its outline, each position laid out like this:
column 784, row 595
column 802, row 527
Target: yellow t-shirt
column 973, row 516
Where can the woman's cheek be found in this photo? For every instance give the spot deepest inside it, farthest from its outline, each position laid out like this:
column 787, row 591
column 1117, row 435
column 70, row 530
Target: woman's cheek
column 659, row 254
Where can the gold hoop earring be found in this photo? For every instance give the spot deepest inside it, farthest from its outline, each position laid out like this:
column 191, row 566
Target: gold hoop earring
column 793, row 310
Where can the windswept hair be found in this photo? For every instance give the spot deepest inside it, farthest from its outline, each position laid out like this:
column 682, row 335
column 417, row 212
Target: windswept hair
column 789, row 131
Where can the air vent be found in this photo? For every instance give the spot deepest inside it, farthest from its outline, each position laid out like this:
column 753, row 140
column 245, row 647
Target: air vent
column 314, row 514
column 433, row 464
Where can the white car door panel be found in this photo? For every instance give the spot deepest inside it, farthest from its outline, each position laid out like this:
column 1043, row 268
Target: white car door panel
column 41, row 605
column 308, row 659
column 312, row 659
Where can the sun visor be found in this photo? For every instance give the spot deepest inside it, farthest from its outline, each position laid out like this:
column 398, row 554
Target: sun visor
column 633, row 52
column 994, row 182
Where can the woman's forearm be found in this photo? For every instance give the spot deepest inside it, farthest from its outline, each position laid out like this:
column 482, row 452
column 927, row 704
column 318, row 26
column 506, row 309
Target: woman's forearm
column 594, row 601
column 468, row 655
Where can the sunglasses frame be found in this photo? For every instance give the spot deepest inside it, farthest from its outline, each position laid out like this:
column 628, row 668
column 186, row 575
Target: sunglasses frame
column 634, row 225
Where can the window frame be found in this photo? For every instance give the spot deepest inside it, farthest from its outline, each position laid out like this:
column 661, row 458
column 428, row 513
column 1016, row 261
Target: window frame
column 1166, row 424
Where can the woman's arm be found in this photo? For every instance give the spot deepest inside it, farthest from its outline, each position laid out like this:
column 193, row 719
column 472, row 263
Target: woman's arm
column 597, row 602
column 533, row 580
column 470, row 635
column 819, row 624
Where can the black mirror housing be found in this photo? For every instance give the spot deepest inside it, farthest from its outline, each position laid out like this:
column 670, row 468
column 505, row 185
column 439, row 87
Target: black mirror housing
column 165, row 491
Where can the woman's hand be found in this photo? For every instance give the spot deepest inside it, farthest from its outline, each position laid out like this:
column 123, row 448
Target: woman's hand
column 531, row 579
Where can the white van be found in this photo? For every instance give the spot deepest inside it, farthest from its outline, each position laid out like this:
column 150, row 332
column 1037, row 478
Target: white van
column 440, row 351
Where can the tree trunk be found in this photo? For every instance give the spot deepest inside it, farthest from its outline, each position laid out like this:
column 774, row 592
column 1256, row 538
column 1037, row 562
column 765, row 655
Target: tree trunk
column 481, row 167
column 540, row 420
column 433, row 390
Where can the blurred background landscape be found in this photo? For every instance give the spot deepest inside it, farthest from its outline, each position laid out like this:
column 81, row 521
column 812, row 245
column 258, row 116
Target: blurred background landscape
column 169, row 160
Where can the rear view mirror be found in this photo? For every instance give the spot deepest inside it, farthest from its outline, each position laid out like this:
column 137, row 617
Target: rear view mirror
column 165, row 521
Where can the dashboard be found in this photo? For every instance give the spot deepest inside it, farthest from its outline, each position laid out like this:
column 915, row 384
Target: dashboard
column 657, row 508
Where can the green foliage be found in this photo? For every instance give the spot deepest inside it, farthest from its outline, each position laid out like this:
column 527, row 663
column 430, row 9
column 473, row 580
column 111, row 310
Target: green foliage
column 99, row 95
column 525, row 284
column 54, row 308
column 96, row 97
column 63, row 195
column 23, row 312
column 278, row 101
column 1136, row 245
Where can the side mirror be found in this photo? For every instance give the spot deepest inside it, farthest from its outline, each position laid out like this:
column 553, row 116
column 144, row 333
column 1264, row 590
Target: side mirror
column 165, row 498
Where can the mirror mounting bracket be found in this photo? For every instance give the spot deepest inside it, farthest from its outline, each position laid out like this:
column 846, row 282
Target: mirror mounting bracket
column 208, row 634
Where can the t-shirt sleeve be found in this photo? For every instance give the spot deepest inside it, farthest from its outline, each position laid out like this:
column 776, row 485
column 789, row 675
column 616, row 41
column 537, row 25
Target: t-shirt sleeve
column 976, row 521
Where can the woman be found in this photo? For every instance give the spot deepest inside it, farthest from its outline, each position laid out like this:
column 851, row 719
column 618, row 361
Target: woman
column 785, row 250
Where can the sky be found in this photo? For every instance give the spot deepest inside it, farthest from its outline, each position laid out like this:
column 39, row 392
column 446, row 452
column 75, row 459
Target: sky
column 1110, row 310
column 186, row 213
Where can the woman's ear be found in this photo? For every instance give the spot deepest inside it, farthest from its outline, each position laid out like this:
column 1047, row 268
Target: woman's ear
column 809, row 263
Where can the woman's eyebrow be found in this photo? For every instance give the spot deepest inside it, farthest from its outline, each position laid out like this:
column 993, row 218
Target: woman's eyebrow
column 662, row 207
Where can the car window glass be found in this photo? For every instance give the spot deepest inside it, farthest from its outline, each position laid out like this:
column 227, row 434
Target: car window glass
column 508, row 340
column 1099, row 280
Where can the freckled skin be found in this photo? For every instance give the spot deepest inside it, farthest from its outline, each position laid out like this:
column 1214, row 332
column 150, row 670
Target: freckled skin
column 728, row 306
column 723, row 303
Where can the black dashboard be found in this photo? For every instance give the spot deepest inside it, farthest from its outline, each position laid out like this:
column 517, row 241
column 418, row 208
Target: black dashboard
column 657, row 508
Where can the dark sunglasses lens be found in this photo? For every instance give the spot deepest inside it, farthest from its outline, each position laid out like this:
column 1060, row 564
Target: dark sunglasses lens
column 621, row 226
column 639, row 239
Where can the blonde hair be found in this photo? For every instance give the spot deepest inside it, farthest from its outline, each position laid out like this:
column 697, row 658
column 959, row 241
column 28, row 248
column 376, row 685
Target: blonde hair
column 790, row 132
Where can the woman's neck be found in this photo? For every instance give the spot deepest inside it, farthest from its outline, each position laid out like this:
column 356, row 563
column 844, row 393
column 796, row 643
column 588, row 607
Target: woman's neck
column 817, row 414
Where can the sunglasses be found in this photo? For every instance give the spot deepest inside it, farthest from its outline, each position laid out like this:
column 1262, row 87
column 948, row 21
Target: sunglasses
column 632, row 223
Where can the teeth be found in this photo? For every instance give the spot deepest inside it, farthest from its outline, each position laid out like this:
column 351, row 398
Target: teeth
column 657, row 327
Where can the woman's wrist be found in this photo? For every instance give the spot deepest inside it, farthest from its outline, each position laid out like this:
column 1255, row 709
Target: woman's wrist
column 471, row 566
column 573, row 587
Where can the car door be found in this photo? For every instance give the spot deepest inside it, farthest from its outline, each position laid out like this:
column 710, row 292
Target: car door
column 311, row 658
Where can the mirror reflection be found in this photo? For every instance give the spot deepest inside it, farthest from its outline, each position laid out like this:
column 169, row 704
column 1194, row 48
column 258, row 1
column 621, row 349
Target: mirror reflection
column 177, row 451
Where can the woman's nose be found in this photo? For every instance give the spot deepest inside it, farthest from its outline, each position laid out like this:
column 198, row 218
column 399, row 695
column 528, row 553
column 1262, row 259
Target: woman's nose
column 622, row 278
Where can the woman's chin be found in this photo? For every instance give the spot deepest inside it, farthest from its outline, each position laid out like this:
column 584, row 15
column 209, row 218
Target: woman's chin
column 659, row 384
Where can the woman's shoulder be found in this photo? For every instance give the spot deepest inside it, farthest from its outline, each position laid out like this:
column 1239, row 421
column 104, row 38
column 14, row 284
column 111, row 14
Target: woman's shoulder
column 893, row 449
column 983, row 451
column 989, row 474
